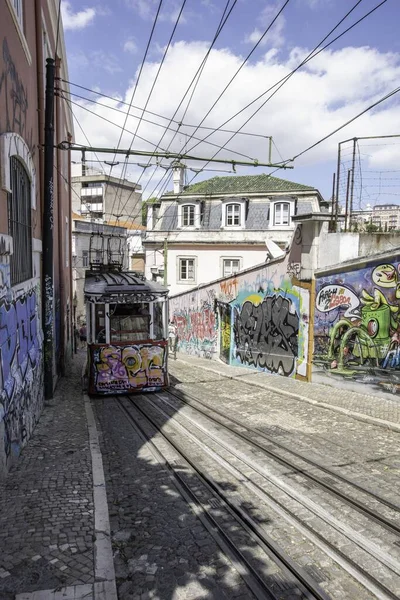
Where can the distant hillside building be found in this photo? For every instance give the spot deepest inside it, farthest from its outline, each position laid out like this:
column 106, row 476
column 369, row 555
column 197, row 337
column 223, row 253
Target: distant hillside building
column 221, row 226
column 100, row 196
column 384, row 216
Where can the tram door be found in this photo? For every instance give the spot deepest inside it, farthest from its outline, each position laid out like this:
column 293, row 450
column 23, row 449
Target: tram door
column 225, row 339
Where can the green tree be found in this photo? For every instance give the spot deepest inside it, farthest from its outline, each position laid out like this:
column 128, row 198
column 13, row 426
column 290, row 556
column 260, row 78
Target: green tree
column 145, row 204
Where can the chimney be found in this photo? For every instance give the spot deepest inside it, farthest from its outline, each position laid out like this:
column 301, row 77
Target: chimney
column 178, row 170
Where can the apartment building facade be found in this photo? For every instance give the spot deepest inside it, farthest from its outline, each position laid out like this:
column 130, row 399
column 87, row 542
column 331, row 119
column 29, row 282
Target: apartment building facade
column 28, row 34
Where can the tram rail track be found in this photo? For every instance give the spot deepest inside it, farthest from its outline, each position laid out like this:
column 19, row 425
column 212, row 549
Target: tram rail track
column 209, row 501
column 246, row 435
column 359, row 573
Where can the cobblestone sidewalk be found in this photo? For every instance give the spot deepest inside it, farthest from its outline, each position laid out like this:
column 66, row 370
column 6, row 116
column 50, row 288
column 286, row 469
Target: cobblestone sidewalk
column 370, row 408
column 46, row 505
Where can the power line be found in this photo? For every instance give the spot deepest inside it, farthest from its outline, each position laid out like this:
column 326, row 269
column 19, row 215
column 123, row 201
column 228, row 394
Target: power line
column 140, row 73
column 243, row 63
column 284, row 79
column 180, row 123
column 222, row 22
column 146, row 121
column 386, row 97
column 199, row 71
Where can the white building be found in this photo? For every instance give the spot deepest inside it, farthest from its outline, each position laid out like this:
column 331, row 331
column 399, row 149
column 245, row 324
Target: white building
column 221, row 226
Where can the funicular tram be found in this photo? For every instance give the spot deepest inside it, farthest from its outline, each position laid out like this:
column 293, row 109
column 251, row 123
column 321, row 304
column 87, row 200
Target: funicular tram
column 126, row 322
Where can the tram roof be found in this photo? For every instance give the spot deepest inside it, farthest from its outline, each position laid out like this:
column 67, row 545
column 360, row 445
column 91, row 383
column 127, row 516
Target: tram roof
column 121, row 287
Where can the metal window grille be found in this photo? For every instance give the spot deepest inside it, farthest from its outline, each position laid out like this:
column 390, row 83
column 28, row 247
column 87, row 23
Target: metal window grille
column 233, row 214
column 187, row 269
column 188, row 216
column 19, row 221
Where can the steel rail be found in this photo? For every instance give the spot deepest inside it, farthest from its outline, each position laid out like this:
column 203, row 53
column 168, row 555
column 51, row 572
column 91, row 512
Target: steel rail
column 275, row 553
column 358, row 572
column 381, row 520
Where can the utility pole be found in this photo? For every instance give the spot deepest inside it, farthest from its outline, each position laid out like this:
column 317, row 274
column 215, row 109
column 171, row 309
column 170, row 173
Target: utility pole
column 165, row 261
column 346, row 216
column 48, row 224
column 353, row 164
column 337, row 187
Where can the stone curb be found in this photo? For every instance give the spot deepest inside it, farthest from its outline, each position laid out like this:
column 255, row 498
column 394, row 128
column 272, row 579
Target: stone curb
column 350, row 413
column 104, row 586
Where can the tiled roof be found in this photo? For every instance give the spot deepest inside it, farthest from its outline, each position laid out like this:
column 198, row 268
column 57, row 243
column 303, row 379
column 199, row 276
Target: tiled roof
column 243, row 184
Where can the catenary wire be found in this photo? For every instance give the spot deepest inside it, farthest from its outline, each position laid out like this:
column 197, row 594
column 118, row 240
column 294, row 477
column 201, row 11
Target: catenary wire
column 147, row 121
column 138, row 77
column 222, row 22
column 180, row 123
column 315, row 52
column 311, row 55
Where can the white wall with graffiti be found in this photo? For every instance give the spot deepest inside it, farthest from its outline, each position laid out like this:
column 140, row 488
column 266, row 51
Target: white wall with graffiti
column 21, row 365
column 258, row 319
column 357, row 325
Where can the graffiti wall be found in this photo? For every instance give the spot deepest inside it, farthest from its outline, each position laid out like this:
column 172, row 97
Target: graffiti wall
column 258, row 319
column 125, row 368
column 357, row 326
column 21, row 399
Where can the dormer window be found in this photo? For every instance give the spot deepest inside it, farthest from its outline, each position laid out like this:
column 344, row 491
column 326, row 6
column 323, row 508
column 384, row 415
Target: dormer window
column 281, row 213
column 233, row 214
column 188, row 211
column 189, row 215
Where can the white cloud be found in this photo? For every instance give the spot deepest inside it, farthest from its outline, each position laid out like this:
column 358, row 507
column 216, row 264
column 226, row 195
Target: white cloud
column 147, row 9
column 130, row 46
column 78, row 20
column 275, row 37
column 320, row 97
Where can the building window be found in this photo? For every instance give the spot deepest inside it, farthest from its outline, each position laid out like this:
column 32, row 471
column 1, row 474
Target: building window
column 232, row 214
column 85, row 258
column 19, row 219
column 230, row 266
column 281, row 213
column 188, row 215
column 186, row 269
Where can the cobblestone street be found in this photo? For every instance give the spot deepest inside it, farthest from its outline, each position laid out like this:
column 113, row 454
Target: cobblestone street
column 161, row 546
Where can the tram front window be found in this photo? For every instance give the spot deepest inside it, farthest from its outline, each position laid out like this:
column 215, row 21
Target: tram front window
column 129, row 322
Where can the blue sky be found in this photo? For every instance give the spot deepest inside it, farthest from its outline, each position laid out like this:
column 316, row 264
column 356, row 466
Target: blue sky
column 105, row 47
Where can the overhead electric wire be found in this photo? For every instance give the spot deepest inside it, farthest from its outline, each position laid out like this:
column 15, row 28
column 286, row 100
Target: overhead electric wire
column 220, row 26
column 180, row 123
column 386, row 97
column 146, row 121
column 222, row 22
column 311, row 55
column 139, row 75
column 315, row 52
column 111, row 123
column 245, row 61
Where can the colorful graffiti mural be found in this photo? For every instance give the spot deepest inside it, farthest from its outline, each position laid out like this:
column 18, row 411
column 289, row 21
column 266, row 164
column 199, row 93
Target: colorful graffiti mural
column 258, row 319
column 128, row 368
column 226, row 331
column 21, row 398
column 197, row 332
column 266, row 334
column 357, row 325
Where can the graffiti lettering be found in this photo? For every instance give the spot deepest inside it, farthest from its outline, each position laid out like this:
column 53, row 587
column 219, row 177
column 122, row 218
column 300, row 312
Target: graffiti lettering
column 20, row 370
column 197, row 331
column 16, row 99
column 334, row 296
column 228, row 289
column 266, row 335
column 127, row 368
